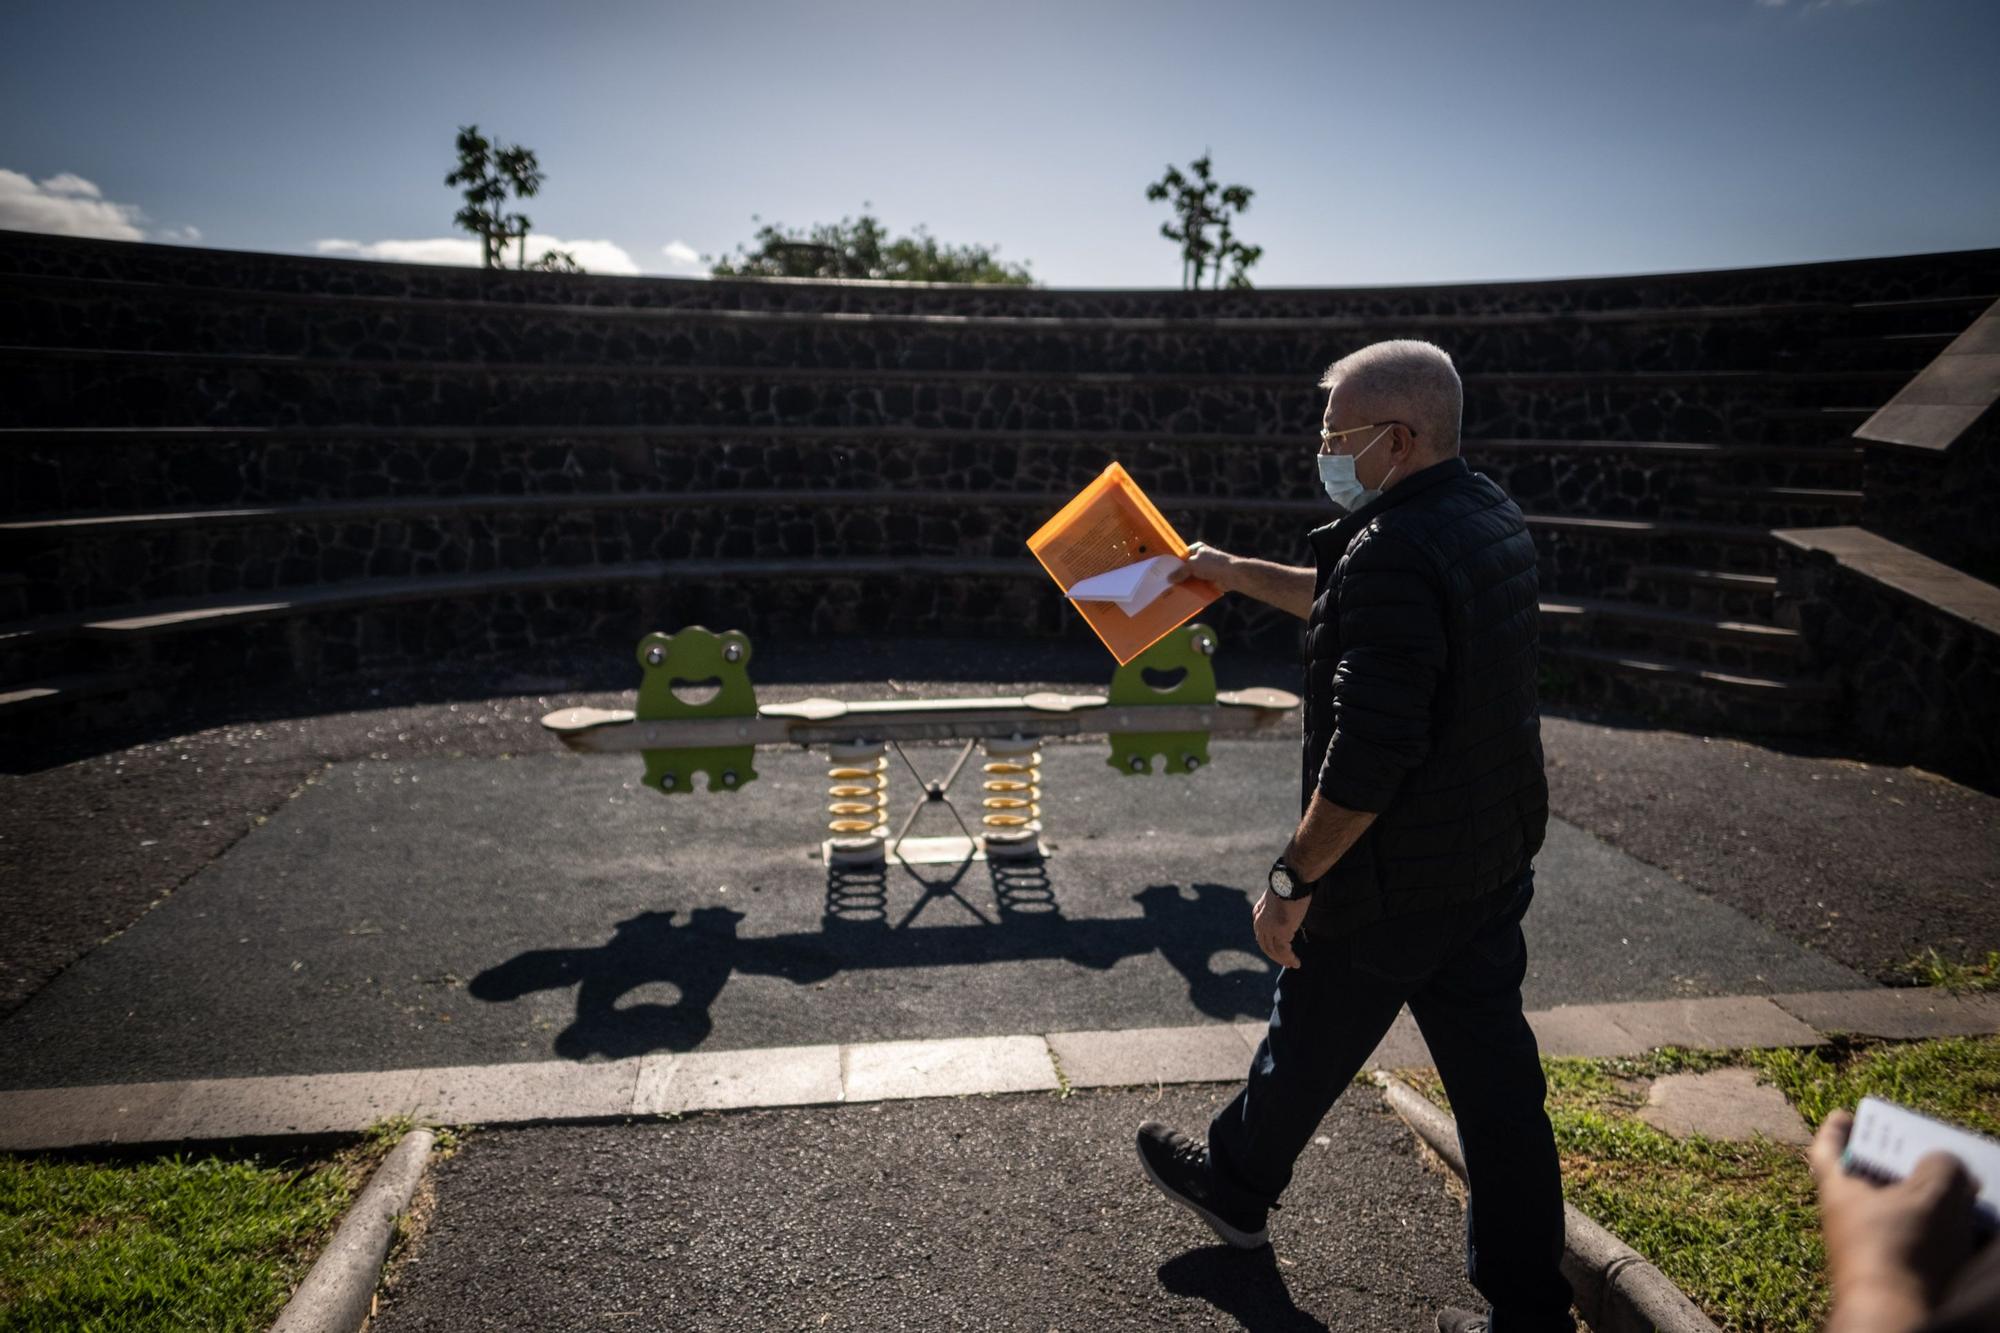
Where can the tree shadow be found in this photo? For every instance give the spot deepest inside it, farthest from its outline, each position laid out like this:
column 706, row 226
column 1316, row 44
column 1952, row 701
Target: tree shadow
column 1245, row 1286
column 694, row 954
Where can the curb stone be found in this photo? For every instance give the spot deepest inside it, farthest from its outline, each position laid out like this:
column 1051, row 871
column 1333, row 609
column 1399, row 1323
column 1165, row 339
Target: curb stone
column 1616, row 1289
column 337, row 1294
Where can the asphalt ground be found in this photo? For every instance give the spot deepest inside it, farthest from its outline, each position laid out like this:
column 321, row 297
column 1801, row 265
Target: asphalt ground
column 472, row 911
column 1862, row 865
column 1023, row 1212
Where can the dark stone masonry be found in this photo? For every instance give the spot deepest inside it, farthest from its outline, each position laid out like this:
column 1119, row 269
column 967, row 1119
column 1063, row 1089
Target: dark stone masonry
column 213, row 462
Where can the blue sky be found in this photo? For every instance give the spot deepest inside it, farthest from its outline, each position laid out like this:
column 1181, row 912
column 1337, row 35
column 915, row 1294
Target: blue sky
column 1387, row 140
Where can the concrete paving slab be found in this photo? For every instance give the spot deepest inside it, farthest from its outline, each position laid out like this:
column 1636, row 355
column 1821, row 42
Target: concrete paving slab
column 1146, row 1056
column 1579, row 1030
column 892, row 1070
column 1402, row 1048
column 229, row 1108
column 1901, row 1015
column 728, row 1080
column 1723, row 1104
column 524, row 1093
column 1716, row 1024
column 72, row 1117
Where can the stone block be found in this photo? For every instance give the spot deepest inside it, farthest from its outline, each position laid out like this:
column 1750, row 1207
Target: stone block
column 1579, row 1030
column 228, row 1108
column 1723, row 1104
column 1902, row 1015
column 729, row 1080
column 41, row 1118
column 1402, row 1047
column 1716, row 1024
column 520, row 1093
column 883, row 1071
column 1204, row 1054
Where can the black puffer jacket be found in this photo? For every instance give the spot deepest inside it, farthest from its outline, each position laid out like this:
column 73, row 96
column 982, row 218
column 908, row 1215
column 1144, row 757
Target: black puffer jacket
column 1420, row 697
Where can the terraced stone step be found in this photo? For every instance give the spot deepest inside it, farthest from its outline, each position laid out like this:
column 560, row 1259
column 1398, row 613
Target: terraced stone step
column 1692, row 694
column 59, row 692
column 179, row 320
column 79, row 561
column 1710, row 592
column 55, row 386
column 1882, row 281
column 1780, row 506
column 47, row 473
column 1731, row 647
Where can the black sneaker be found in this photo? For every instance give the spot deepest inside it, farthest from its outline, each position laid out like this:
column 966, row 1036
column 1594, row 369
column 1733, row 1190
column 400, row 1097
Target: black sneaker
column 1461, row 1321
column 1179, row 1166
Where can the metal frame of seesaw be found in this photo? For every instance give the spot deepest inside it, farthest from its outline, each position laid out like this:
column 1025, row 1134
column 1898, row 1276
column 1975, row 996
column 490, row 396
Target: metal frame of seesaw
column 857, row 734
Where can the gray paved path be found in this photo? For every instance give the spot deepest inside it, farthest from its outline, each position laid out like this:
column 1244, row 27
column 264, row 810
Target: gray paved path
column 467, row 911
column 1025, row 1212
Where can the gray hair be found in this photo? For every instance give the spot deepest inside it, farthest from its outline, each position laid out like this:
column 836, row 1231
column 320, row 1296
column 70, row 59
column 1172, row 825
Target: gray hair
column 1411, row 381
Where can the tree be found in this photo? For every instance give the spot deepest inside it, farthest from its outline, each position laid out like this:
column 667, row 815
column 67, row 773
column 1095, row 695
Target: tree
column 862, row 248
column 1200, row 205
column 488, row 171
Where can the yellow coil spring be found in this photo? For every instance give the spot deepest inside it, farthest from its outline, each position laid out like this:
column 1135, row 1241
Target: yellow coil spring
column 1011, row 807
column 858, row 799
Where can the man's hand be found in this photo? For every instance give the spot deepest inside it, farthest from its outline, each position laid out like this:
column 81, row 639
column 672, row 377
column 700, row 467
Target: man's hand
column 1277, row 921
column 1890, row 1249
column 1205, row 562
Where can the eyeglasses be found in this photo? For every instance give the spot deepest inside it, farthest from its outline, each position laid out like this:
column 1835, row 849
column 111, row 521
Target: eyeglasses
column 1327, row 437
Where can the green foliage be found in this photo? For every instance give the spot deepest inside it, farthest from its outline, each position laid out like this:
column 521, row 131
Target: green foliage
column 1954, row 1078
column 1200, row 205
column 489, row 171
column 1930, row 968
column 1736, row 1225
column 167, row 1243
column 861, row 248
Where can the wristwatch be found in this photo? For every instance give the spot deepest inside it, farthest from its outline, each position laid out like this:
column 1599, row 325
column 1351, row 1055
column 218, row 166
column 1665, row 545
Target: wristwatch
column 1285, row 882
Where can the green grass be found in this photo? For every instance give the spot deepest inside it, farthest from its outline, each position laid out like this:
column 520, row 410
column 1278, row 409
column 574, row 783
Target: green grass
column 1735, row 1225
column 1930, row 968
column 166, row 1243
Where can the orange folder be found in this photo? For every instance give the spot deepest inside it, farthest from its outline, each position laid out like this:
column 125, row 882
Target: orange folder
column 1111, row 524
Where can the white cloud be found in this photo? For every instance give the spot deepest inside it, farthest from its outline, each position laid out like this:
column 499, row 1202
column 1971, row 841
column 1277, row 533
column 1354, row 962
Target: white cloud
column 67, row 205
column 682, row 257
column 178, row 235
column 595, row 256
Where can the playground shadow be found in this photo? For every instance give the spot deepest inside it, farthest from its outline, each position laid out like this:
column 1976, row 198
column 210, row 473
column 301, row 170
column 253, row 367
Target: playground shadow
column 697, row 952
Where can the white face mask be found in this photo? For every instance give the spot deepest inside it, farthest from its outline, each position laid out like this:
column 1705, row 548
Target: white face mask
column 1336, row 473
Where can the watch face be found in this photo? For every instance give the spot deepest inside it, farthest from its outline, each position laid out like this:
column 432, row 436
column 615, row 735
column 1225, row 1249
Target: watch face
column 1281, row 883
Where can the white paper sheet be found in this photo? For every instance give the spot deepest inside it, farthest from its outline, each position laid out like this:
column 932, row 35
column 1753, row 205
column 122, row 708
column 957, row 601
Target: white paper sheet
column 1131, row 588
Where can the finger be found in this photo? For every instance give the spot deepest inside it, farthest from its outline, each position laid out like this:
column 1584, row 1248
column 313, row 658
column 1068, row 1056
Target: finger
column 1829, row 1143
column 1940, row 1177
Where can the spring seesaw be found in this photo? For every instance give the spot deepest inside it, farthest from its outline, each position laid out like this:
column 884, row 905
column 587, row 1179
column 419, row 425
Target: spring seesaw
column 1161, row 705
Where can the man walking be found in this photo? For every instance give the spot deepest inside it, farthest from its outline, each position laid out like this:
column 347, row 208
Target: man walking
column 1423, row 803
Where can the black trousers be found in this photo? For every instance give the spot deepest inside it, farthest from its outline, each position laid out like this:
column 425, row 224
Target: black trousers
column 1460, row 972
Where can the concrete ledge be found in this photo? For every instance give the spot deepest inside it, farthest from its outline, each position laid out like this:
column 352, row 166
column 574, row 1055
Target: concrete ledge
column 336, row 1295
column 1903, row 1015
column 1616, row 1289
column 299, row 1106
column 1714, row 1024
column 892, row 1070
column 1149, row 1055
column 1899, row 569
column 733, row 1080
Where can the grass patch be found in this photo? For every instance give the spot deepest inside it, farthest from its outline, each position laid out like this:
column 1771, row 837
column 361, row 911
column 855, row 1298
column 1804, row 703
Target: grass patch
column 1736, row 1225
column 1930, row 968
column 167, row 1243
